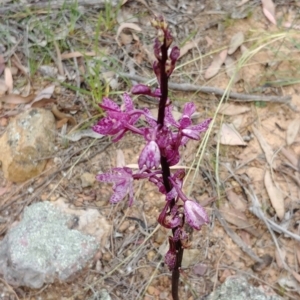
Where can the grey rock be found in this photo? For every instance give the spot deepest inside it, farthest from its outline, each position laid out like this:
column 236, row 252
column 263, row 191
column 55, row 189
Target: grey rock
column 41, row 247
column 238, row 288
column 29, row 138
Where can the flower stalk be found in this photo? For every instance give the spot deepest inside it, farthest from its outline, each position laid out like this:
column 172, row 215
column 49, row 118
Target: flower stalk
column 164, row 137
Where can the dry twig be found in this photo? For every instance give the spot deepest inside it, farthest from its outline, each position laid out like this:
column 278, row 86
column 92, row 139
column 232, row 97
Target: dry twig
column 186, row 87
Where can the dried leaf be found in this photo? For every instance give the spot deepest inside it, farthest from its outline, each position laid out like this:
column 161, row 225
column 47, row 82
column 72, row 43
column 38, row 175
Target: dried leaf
column 3, row 87
column 239, row 219
column 231, row 71
column 43, row 102
column 230, row 136
column 230, row 109
column 236, row 41
column 60, row 115
column 8, row 80
column 125, row 38
column 291, row 156
column 280, row 255
column 120, row 159
column 188, row 46
column 292, row 131
column 16, row 99
column 269, row 10
column 236, row 200
column 78, row 135
column 77, row 54
column 296, row 275
column 209, row 41
column 45, row 93
column 216, row 64
column 268, row 151
column 275, row 195
column 123, row 26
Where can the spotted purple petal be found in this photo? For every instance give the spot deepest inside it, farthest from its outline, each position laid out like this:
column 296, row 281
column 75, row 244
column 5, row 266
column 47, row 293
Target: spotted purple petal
column 150, row 156
column 108, row 104
column 141, row 89
column 122, row 183
column 193, row 132
column 195, row 214
column 128, row 102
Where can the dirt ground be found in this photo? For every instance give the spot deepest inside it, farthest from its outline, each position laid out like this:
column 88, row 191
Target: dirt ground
column 246, row 174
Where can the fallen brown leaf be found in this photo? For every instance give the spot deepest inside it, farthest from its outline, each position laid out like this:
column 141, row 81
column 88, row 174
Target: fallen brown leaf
column 60, row 115
column 231, row 71
column 120, row 159
column 275, row 195
column 291, row 156
column 215, row 65
column 292, row 131
column 16, row 99
column 236, row 41
column 268, row 151
column 230, row 109
column 278, row 257
column 77, row 54
column 230, row 136
column 269, row 10
column 8, row 80
column 3, row 87
column 125, row 25
column 239, row 219
column 236, row 200
column 188, row 46
column 296, row 275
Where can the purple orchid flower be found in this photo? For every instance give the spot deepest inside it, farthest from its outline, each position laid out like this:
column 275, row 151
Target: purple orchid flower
column 195, row 214
column 163, row 138
column 118, row 121
column 122, row 183
column 150, row 156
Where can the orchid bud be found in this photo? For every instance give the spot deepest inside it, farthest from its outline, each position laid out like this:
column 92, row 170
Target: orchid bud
column 175, row 54
column 140, row 89
column 156, row 69
column 170, row 258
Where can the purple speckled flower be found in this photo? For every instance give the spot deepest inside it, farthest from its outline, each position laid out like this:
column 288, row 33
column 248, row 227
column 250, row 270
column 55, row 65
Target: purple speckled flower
column 122, row 183
column 195, row 214
column 150, row 156
column 118, row 121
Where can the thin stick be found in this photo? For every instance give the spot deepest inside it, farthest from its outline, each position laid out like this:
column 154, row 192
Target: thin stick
column 186, row 87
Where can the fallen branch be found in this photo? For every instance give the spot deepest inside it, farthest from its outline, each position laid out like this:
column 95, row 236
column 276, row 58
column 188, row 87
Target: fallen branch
column 186, row 87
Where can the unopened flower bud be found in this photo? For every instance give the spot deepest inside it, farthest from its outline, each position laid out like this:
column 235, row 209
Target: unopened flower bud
column 141, row 89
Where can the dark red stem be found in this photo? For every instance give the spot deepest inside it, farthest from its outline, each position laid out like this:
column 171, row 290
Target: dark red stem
column 165, row 165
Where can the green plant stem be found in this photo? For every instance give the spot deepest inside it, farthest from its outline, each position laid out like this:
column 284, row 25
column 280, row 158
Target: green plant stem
column 166, row 173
